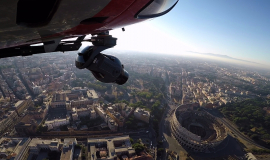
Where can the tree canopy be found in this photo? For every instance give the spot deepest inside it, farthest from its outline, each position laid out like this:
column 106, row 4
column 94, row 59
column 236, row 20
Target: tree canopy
column 138, row 147
column 251, row 118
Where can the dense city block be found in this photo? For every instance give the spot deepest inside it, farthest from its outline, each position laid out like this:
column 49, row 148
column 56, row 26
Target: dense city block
column 171, row 107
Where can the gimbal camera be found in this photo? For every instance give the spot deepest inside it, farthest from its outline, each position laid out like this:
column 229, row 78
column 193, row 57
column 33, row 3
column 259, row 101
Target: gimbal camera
column 105, row 68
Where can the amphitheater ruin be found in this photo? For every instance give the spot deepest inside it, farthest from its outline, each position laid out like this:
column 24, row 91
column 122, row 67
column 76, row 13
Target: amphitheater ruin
column 196, row 130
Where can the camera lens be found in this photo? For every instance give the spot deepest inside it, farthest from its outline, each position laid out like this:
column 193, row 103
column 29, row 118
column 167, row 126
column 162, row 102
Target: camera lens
column 122, row 78
column 79, row 62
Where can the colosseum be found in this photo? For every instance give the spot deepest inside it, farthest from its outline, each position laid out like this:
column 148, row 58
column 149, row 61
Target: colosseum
column 196, row 130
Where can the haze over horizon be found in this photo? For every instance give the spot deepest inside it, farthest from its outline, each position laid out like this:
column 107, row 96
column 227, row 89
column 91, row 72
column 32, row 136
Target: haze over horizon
column 238, row 29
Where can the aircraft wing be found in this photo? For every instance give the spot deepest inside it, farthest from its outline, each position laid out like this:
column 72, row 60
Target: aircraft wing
column 27, row 22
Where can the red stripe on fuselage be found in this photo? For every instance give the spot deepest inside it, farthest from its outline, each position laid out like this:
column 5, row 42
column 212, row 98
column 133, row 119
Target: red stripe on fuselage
column 120, row 13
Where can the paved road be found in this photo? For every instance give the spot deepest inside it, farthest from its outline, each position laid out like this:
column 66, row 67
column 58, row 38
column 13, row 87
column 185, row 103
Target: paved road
column 164, row 130
column 235, row 130
column 238, row 133
column 164, row 126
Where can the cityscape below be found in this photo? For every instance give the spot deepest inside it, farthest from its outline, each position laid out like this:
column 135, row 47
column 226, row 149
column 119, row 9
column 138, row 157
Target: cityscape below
column 172, row 107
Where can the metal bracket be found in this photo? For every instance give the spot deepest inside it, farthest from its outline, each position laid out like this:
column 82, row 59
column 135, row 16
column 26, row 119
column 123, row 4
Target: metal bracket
column 51, row 46
column 101, row 42
column 96, row 51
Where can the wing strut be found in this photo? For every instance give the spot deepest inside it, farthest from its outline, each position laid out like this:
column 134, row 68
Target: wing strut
column 50, row 46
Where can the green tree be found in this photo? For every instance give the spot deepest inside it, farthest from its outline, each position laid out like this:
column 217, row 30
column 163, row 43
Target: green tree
column 249, row 114
column 131, row 140
column 124, row 101
column 138, row 147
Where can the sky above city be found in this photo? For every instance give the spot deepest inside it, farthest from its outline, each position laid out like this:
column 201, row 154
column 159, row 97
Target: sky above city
column 237, row 28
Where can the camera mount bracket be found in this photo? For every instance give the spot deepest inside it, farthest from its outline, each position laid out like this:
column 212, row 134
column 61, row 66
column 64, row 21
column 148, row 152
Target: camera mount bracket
column 100, row 43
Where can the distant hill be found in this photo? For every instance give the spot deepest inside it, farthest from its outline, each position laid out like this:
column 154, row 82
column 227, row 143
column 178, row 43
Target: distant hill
column 223, row 56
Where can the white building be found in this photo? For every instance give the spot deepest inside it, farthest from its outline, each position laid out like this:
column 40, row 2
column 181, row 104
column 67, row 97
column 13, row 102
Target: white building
column 81, row 102
column 110, row 148
column 110, row 109
column 68, row 149
column 100, row 112
column 56, row 123
column 142, row 114
column 92, row 95
column 36, row 144
column 250, row 156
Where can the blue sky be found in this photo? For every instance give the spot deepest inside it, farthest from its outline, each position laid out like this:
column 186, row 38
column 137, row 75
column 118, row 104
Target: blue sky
column 237, row 28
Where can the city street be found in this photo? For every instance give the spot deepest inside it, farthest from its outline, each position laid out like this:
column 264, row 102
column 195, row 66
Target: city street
column 164, row 129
